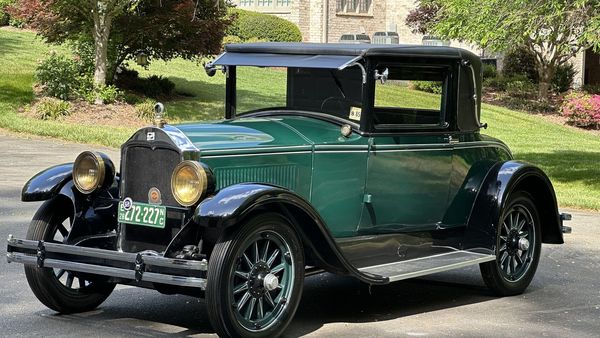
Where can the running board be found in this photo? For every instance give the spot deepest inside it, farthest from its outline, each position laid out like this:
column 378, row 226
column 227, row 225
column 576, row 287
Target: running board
column 427, row 265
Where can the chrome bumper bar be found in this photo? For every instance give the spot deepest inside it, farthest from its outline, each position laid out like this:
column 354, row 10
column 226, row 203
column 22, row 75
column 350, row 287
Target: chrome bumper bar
column 565, row 217
column 130, row 266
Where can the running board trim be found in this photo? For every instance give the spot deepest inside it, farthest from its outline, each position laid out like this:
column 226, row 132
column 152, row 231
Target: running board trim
column 427, row 265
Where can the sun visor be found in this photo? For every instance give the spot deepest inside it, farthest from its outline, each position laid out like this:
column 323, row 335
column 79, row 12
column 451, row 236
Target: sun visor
column 285, row 60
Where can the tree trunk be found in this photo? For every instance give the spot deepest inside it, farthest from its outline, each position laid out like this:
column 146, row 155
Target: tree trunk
column 546, row 74
column 102, row 23
column 543, row 90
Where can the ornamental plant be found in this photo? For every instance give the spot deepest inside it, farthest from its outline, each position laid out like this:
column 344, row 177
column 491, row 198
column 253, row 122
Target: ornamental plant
column 582, row 110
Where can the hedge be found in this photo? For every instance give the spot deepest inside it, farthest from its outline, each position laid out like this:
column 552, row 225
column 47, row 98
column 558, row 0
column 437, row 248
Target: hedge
column 249, row 25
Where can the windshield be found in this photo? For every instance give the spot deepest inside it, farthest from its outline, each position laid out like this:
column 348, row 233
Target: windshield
column 329, row 91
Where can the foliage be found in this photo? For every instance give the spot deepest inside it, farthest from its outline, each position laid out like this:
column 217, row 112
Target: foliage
column 227, row 39
column 582, row 110
column 591, row 89
column 107, row 94
column 489, row 71
column 554, row 30
column 59, row 76
column 49, row 108
column 421, row 19
column 253, row 25
column 145, row 110
column 163, row 29
column 153, row 86
column 4, row 13
column 520, row 61
column 563, row 78
column 426, row 86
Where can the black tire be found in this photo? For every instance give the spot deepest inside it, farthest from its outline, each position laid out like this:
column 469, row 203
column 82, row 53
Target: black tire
column 246, row 249
column 514, row 268
column 56, row 288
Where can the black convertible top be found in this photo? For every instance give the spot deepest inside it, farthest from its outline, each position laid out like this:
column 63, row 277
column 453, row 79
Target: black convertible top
column 303, row 48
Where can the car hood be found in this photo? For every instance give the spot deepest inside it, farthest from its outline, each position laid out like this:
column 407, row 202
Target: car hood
column 258, row 134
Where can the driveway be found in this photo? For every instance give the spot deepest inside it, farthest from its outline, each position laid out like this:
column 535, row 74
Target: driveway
column 562, row 301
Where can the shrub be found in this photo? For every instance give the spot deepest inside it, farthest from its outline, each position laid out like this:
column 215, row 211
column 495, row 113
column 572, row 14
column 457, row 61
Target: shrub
column 154, row 86
column 59, row 76
column 563, row 78
column 582, row 110
column 5, row 17
column 489, row 71
column 427, row 86
column 248, row 25
column 518, row 85
column 108, row 94
column 50, row 108
column 520, row 61
column 231, row 39
column 145, row 110
column 591, row 89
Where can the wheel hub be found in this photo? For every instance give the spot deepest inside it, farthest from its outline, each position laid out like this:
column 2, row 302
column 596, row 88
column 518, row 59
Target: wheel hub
column 271, row 282
column 257, row 279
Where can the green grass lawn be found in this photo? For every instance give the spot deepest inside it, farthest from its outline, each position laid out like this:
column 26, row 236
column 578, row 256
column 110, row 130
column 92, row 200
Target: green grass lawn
column 570, row 157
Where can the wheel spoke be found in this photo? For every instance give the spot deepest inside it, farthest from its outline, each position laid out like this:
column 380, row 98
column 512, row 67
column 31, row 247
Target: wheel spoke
column 60, row 273
column 260, row 310
column 241, row 274
column 502, row 247
column 250, row 309
column 266, row 251
column 515, row 224
column 248, row 261
column 503, row 238
column 506, row 227
column 521, row 224
column 63, row 231
column 519, row 260
column 269, row 299
column 70, row 278
column 256, row 256
column 273, row 257
column 503, row 262
column 278, row 269
column 243, row 301
column 240, row 288
column 524, row 234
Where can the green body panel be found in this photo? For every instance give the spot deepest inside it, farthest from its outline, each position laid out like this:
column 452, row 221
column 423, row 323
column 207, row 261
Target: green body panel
column 360, row 185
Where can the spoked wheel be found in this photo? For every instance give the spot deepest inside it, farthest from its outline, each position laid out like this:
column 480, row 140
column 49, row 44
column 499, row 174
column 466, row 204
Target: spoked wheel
column 518, row 247
column 60, row 290
column 255, row 278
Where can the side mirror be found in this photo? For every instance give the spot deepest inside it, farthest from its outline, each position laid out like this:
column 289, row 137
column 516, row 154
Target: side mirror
column 383, row 76
column 210, row 69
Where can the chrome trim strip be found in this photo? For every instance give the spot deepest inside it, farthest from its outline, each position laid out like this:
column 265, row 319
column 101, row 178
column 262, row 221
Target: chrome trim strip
column 175, row 263
column 442, row 268
column 255, row 154
column 174, row 280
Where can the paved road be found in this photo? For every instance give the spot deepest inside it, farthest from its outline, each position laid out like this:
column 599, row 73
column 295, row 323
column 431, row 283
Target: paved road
column 562, row 301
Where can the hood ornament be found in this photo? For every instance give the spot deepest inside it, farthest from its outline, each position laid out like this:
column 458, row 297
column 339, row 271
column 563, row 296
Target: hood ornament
column 159, row 110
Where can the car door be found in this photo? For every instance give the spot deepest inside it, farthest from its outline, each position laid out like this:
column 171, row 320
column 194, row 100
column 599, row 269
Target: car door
column 409, row 162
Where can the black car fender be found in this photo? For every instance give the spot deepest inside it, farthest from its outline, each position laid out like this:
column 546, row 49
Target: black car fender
column 231, row 205
column 93, row 215
column 505, row 178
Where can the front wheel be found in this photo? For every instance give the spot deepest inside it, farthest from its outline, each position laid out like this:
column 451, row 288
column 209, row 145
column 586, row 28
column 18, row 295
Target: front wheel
column 60, row 290
column 518, row 247
column 255, row 278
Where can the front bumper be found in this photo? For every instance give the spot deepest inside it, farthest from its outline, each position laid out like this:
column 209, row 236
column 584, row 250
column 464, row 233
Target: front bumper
column 138, row 267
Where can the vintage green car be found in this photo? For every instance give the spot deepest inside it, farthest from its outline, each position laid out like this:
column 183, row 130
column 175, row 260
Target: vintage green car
column 347, row 169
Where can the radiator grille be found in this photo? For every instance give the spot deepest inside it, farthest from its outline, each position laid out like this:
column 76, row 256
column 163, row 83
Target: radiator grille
column 284, row 175
column 146, row 168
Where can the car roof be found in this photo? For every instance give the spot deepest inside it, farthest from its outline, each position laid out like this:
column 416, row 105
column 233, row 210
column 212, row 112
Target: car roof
column 304, row 48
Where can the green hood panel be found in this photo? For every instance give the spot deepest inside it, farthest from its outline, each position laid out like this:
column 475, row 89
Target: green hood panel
column 256, row 135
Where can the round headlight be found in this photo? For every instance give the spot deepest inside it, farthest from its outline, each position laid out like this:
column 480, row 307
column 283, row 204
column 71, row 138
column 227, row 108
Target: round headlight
column 188, row 183
column 90, row 171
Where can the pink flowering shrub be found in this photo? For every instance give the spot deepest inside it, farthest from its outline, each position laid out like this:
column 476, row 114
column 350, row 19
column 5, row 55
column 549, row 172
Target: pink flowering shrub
column 582, row 110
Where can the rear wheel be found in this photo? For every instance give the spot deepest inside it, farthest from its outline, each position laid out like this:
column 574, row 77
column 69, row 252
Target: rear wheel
column 60, row 290
column 518, row 247
column 255, row 278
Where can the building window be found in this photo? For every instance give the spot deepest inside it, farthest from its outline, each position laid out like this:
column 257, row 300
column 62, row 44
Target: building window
column 246, row 3
column 264, row 2
column 354, row 6
column 284, row 2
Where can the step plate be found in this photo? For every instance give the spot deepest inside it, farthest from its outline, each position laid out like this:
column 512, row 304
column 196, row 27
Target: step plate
column 427, row 265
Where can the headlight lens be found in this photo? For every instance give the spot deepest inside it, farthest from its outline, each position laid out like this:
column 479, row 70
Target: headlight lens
column 188, row 183
column 89, row 171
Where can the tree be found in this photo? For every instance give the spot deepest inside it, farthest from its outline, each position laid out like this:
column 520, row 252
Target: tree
column 554, row 30
column 122, row 29
column 423, row 17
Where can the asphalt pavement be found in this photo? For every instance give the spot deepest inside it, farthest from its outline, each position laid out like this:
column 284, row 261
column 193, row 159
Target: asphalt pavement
column 562, row 301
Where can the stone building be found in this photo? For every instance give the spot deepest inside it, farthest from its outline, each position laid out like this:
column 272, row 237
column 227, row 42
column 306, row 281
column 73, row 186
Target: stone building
column 327, row 20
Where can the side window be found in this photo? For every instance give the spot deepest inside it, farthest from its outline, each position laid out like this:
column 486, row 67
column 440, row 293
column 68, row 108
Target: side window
column 412, row 96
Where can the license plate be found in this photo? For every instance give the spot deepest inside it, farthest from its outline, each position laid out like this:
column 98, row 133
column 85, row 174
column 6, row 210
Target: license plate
column 143, row 214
